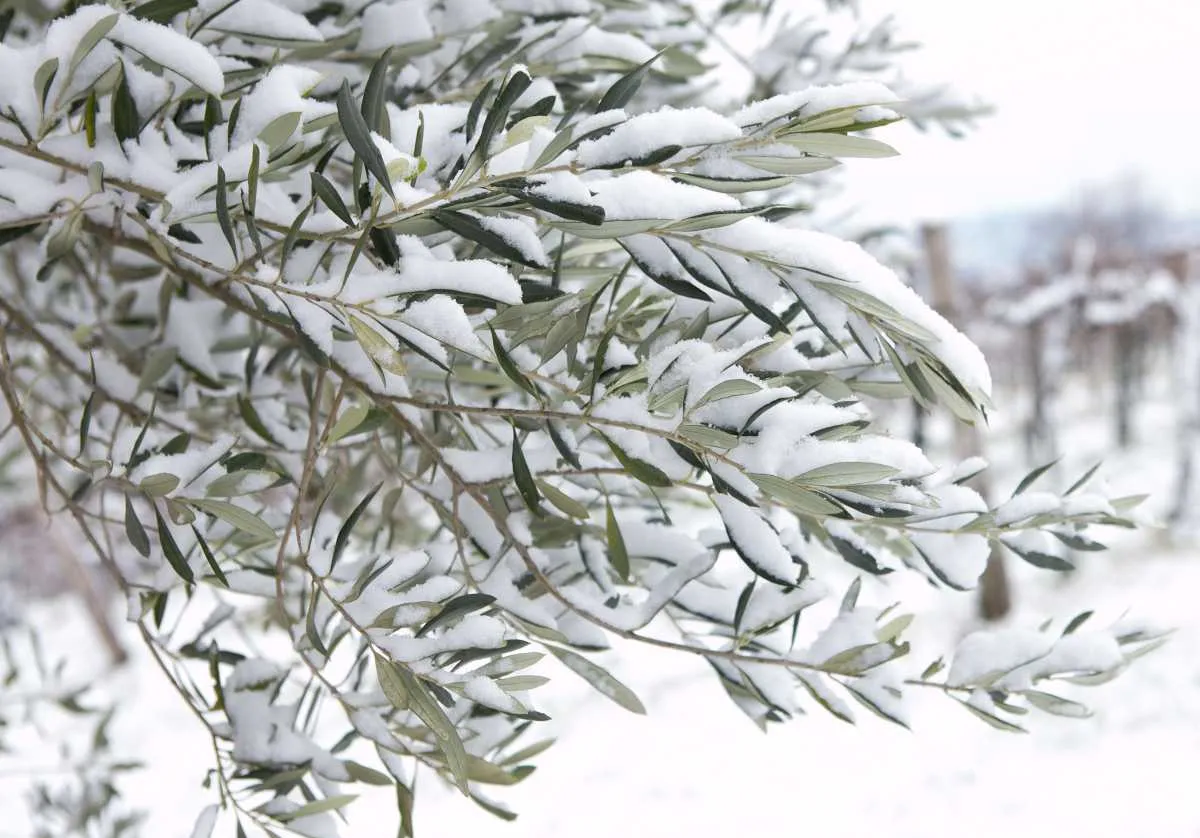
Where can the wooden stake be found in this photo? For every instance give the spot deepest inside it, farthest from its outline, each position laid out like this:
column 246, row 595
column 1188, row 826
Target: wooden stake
column 995, row 595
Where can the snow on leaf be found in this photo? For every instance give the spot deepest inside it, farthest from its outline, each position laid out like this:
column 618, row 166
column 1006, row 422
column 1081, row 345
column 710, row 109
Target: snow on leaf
column 405, row 691
column 641, row 135
column 756, row 541
column 600, row 678
column 260, row 20
column 172, row 50
column 640, row 194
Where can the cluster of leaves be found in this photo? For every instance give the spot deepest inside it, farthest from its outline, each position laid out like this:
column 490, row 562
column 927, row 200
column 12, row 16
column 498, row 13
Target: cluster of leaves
column 411, row 335
column 70, row 758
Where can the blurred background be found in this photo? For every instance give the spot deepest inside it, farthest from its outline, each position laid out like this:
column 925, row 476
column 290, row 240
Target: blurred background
column 1086, row 96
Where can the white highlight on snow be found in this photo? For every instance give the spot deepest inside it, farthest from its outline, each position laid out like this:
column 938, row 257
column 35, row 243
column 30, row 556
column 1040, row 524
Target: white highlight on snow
column 642, row 194
column 172, row 50
column 815, row 100
column 392, row 24
column 646, row 133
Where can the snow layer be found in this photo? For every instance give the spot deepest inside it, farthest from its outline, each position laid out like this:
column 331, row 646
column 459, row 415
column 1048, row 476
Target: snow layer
column 815, row 100
column 643, row 194
column 649, row 132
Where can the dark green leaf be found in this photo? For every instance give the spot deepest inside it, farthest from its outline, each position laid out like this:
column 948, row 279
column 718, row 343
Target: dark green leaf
column 1037, row 558
column 251, row 418
column 510, row 368
column 343, row 536
column 750, row 558
column 223, row 218
column 542, row 107
column 183, row 234
column 178, row 443
column 587, row 213
column 252, row 225
column 210, row 558
column 562, row 501
column 671, row 283
column 476, row 108
column 651, row 158
column 598, row 360
column 419, row 139
column 618, row 556
column 859, row 558
column 523, row 476
column 125, row 120
column 649, row 474
column 383, row 243
column 687, row 455
column 470, row 229
column 134, row 530
column 625, row 87
column 307, row 345
column 252, row 176
column 1087, row 475
column 1078, row 542
column 160, row 608
column 359, row 137
column 516, row 85
column 329, row 196
column 171, row 550
column 85, row 421
column 374, row 109
column 162, row 11
column 1078, row 620
column 1032, row 476
column 764, row 314
column 740, row 611
column 11, row 234
column 293, row 233
column 561, row 445
column 311, row 631
column 458, row 607
column 365, row 774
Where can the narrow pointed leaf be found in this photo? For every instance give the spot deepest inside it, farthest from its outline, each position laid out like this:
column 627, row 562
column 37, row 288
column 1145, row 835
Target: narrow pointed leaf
column 343, row 536
column 134, row 530
column 359, row 136
column 562, row 501
column 600, row 678
column 209, row 557
column 223, row 218
column 618, row 555
column 329, row 196
column 397, row 682
column 171, row 550
column 523, row 476
column 454, row 609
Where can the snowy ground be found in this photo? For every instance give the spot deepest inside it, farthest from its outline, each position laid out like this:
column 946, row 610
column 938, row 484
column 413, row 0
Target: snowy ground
column 696, row 767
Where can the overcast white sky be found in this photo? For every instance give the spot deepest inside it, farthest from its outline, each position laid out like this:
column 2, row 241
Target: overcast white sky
column 1084, row 90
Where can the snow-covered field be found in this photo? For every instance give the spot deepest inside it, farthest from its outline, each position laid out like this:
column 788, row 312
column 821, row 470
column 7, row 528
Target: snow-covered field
column 695, row 767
